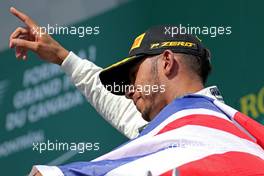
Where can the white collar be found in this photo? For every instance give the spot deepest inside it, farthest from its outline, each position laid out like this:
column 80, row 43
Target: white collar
column 211, row 92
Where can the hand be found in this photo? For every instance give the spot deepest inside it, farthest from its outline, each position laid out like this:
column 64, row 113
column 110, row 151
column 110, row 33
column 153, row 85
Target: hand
column 32, row 38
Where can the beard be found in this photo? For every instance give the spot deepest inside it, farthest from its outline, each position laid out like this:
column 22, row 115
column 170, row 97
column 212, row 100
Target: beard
column 153, row 105
column 154, row 102
column 148, row 109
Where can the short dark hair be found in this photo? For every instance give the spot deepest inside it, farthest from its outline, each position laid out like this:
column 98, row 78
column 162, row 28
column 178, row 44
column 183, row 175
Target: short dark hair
column 201, row 66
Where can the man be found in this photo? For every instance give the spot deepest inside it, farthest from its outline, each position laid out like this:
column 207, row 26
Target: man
column 117, row 110
column 188, row 133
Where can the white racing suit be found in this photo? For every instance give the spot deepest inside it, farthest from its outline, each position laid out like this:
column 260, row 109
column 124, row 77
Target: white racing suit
column 119, row 111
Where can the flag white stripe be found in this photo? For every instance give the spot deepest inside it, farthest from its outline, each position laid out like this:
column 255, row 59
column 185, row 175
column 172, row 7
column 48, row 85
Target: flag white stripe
column 193, row 137
column 173, row 157
column 231, row 112
column 132, row 145
column 187, row 112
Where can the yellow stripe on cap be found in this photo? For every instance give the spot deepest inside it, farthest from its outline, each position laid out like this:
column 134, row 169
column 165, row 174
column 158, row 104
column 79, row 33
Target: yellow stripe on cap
column 119, row 63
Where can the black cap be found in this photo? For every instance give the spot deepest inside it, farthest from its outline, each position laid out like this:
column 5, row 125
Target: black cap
column 152, row 42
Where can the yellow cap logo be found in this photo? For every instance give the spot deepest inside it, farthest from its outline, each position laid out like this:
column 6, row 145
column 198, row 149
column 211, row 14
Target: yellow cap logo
column 137, row 41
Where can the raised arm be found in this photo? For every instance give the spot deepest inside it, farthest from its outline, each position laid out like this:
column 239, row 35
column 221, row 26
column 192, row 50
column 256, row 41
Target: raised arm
column 117, row 110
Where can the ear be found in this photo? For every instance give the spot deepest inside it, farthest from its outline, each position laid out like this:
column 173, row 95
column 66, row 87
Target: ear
column 169, row 64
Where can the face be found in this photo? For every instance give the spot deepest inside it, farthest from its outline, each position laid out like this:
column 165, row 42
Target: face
column 144, row 76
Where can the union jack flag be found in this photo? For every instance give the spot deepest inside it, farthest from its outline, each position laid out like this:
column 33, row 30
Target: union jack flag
column 192, row 136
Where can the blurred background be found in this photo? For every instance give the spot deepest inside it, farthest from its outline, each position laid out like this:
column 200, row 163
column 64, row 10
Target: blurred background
column 38, row 103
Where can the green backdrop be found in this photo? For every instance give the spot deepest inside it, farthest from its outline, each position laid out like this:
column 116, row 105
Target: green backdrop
column 38, row 103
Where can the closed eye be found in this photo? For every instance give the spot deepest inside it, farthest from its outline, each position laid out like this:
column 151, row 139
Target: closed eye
column 132, row 74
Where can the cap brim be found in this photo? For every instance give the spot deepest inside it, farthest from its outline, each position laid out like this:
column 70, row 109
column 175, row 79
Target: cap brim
column 115, row 77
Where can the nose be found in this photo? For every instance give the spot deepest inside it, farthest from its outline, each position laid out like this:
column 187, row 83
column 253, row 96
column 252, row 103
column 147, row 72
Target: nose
column 130, row 92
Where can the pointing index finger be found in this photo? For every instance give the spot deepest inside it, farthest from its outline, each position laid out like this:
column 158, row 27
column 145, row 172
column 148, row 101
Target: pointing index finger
column 23, row 17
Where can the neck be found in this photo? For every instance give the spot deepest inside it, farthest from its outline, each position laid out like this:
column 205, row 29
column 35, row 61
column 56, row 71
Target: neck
column 186, row 87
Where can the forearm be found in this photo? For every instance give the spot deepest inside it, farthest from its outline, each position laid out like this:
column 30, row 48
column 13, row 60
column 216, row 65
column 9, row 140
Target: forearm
column 117, row 110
